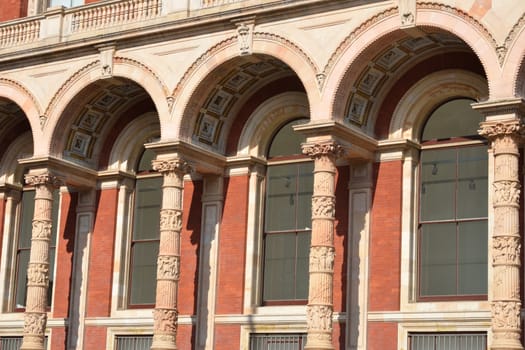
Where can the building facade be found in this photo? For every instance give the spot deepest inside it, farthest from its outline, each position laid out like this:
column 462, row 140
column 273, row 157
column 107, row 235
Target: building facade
column 261, row 174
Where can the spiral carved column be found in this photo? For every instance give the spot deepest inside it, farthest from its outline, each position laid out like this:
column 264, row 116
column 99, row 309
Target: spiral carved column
column 505, row 243
column 322, row 252
column 35, row 317
column 165, row 315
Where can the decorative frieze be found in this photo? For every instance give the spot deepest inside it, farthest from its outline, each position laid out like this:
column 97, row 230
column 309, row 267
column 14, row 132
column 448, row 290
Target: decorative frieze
column 506, row 193
column 323, row 207
column 506, row 250
column 322, row 259
column 319, row 317
column 42, row 229
column 38, row 275
column 34, row 324
column 327, row 148
column 171, row 165
column 168, row 267
column 165, row 320
column 170, row 220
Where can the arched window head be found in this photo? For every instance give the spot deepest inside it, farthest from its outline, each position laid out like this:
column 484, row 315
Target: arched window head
column 287, row 142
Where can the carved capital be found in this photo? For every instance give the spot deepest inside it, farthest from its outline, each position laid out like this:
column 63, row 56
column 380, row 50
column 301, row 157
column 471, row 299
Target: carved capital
column 506, row 250
column 165, row 320
column 323, row 207
column 506, row 314
column 327, row 148
column 319, row 317
column 171, row 166
column 493, row 130
column 170, row 220
column 168, row 267
column 43, row 179
column 35, row 323
column 506, row 193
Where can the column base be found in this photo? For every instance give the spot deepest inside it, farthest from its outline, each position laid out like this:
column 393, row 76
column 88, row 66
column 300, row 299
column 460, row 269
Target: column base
column 163, row 342
column 32, row 343
column 319, row 341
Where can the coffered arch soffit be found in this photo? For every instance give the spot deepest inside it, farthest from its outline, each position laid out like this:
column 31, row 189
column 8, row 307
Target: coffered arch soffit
column 447, row 27
column 220, row 63
column 427, row 94
column 124, row 69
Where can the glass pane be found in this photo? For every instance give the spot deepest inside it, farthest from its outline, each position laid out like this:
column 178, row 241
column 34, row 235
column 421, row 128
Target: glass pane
column 21, row 278
column 148, row 197
column 438, row 259
column 304, row 195
column 54, row 218
column 472, row 182
column 472, row 256
column 438, row 176
column 452, row 119
column 26, row 223
column 303, row 257
column 287, row 142
column 144, row 272
column 145, row 160
column 281, row 197
column 279, row 266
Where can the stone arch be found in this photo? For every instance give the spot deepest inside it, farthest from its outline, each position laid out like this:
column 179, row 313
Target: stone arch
column 514, row 64
column 10, row 170
column 125, row 154
column 123, row 67
column 422, row 98
column 263, row 43
column 263, row 122
column 372, row 32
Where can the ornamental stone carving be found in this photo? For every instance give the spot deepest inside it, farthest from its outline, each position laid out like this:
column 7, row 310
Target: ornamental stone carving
column 245, row 37
column 171, row 165
column 165, row 320
column 35, row 323
column 168, row 267
column 319, row 317
column 323, row 206
column 506, row 193
column 322, row 148
column 506, row 314
column 171, row 220
column 42, row 179
column 42, row 229
column 37, row 274
column 322, row 258
column 506, row 250
column 493, row 130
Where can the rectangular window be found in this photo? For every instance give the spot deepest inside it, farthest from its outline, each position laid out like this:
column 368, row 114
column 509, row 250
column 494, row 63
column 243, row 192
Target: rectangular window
column 14, row 343
column 24, row 245
column 145, row 241
column 66, row 3
column 287, row 232
column 133, row 342
column 447, row 341
column 277, row 341
column 453, row 231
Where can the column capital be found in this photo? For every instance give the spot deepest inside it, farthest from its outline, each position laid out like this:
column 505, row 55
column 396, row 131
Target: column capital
column 45, row 178
column 323, row 148
column 499, row 128
column 178, row 165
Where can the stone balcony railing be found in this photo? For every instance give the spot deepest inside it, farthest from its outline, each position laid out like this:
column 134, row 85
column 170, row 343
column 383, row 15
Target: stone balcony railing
column 64, row 24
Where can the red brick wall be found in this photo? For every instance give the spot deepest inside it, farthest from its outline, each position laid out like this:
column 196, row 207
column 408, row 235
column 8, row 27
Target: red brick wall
column 95, row 338
column 185, row 337
column 227, row 337
column 12, row 9
column 382, row 336
column 101, row 256
column 58, row 338
column 341, row 238
column 64, row 254
column 385, row 238
column 232, row 245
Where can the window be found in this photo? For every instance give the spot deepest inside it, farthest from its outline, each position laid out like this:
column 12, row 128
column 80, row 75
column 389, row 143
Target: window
column 14, row 343
column 24, row 246
column 277, row 341
column 145, row 234
column 453, row 241
column 133, row 342
column 447, row 341
column 287, row 230
column 66, row 3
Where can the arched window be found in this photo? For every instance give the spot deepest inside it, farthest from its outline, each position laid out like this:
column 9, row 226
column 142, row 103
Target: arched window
column 145, row 234
column 287, row 219
column 453, row 205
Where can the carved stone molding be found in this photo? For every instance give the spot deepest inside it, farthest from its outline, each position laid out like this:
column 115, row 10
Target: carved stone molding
column 245, row 36
column 171, row 165
column 492, row 130
column 38, row 274
column 319, row 317
column 170, row 220
column 42, row 179
column 168, row 267
column 506, row 250
column 322, row 259
column 35, row 323
column 506, row 193
column 323, row 207
column 42, row 229
column 506, row 314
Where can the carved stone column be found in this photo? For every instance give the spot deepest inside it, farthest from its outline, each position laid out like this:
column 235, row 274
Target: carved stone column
column 322, row 253
column 505, row 243
column 35, row 317
column 165, row 314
